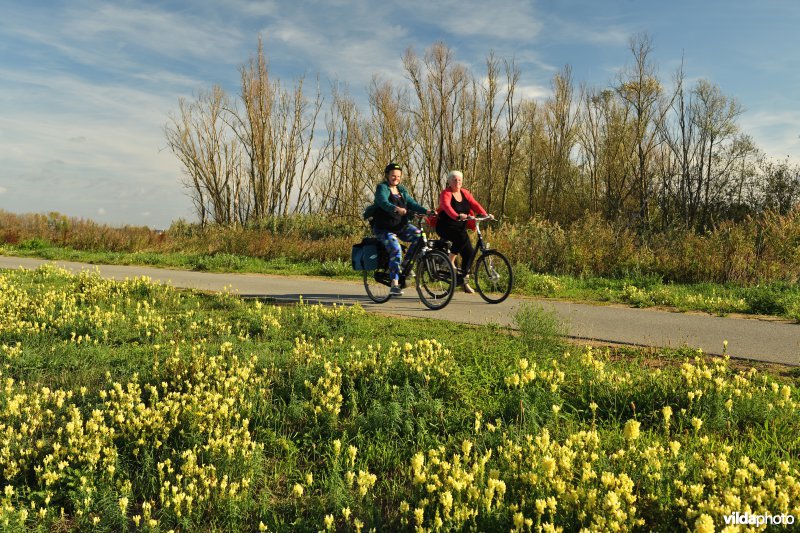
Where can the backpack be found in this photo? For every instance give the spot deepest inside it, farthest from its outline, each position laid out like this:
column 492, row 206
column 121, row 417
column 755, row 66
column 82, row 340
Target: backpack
column 370, row 211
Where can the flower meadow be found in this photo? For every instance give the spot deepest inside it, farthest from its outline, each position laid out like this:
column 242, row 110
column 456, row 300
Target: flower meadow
column 131, row 406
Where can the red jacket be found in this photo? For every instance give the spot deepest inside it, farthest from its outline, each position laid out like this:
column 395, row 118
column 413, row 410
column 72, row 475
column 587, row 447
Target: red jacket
column 444, row 205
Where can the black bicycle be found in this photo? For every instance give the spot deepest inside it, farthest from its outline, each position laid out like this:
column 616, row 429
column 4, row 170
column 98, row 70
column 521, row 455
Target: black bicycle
column 426, row 260
column 491, row 271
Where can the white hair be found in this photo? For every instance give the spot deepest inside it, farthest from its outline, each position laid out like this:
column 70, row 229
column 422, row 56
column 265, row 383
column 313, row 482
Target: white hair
column 454, row 173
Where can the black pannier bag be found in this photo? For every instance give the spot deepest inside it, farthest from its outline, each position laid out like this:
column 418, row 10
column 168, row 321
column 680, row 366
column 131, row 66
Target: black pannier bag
column 366, row 255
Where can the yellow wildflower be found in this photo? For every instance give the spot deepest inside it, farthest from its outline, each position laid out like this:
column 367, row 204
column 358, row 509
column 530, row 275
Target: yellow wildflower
column 631, row 430
column 704, row 524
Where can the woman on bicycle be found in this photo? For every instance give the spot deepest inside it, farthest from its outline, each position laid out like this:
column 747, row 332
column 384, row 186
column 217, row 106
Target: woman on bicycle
column 456, row 204
column 390, row 219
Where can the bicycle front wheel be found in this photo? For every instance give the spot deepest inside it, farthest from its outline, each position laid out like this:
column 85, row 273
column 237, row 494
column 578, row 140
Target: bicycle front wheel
column 493, row 277
column 436, row 279
column 376, row 283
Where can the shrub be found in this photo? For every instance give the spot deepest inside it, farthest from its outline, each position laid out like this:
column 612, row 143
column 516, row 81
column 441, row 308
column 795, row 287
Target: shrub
column 540, row 329
column 33, row 244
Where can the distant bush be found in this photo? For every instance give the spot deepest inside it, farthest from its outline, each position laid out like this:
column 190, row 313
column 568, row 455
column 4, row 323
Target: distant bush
column 34, row 244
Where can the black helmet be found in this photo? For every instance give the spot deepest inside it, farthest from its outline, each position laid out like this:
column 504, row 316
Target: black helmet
column 390, row 167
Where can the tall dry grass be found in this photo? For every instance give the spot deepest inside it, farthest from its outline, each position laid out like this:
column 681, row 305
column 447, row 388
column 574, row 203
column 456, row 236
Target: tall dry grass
column 758, row 250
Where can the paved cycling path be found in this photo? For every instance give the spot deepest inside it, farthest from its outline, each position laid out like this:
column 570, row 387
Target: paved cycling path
column 763, row 340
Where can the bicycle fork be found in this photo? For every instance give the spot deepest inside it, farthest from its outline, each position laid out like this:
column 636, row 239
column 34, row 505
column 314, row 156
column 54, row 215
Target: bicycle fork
column 407, row 264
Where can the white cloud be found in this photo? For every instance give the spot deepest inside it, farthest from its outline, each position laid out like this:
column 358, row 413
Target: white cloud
column 504, row 20
column 101, row 211
column 534, row 92
column 3, row 190
column 83, row 142
column 114, row 36
column 774, row 132
column 348, row 42
column 613, row 36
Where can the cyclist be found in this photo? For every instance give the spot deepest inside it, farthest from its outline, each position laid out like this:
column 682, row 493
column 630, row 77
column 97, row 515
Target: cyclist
column 390, row 219
column 456, row 204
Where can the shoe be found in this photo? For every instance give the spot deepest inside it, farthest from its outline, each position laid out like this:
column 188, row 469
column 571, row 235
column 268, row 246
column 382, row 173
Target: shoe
column 466, row 287
column 395, row 290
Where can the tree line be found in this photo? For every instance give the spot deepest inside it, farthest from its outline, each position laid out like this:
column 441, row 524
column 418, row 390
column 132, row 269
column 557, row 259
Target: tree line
column 645, row 152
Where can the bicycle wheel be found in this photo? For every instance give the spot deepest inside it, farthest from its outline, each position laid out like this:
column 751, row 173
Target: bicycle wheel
column 377, row 282
column 436, row 287
column 436, row 279
column 493, row 277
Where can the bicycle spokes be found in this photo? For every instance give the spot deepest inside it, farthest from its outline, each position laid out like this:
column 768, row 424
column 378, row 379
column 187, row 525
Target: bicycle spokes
column 493, row 276
column 435, row 279
column 491, row 272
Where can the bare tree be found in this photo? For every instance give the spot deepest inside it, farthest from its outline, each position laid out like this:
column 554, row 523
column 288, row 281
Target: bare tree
column 439, row 113
column 210, row 156
column 710, row 158
column 345, row 191
column 561, row 137
column 513, row 132
column 491, row 118
column 607, row 142
column 641, row 89
column 532, row 152
column 390, row 135
column 276, row 128
column 714, row 115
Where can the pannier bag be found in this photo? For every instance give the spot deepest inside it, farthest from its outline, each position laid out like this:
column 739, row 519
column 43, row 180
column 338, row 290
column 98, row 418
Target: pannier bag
column 366, row 254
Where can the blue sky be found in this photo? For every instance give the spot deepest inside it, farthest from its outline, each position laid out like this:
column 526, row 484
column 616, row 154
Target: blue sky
column 86, row 86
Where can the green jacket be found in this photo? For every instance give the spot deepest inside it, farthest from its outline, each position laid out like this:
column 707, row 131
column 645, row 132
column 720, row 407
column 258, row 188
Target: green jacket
column 382, row 211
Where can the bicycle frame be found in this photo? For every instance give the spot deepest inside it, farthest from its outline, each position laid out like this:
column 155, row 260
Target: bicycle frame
column 413, row 253
column 480, row 246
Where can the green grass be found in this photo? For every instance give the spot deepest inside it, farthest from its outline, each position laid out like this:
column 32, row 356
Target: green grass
column 121, row 400
column 780, row 299
column 221, row 262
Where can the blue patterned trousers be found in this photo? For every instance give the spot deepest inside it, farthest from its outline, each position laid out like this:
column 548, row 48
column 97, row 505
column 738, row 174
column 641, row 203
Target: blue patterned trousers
column 390, row 240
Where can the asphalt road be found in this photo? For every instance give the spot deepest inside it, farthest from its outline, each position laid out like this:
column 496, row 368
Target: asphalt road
column 772, row 341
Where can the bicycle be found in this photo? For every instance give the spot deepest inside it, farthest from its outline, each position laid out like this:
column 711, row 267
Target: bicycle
column 491, row 271
column 435, row 276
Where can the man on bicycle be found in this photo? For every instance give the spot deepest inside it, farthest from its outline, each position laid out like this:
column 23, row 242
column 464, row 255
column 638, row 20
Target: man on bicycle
column 390, row 219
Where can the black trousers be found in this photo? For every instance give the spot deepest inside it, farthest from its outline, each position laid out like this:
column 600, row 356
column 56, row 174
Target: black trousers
column 461, row 245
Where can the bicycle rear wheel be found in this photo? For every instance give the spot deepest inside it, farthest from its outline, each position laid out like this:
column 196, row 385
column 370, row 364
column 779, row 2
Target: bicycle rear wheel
column 376, row 283
column 493, row 277
column 436, row 279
